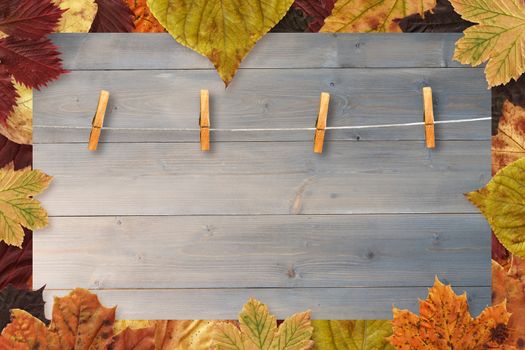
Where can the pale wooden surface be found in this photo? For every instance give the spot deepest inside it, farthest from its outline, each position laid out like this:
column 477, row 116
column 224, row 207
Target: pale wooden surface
column 167, row 231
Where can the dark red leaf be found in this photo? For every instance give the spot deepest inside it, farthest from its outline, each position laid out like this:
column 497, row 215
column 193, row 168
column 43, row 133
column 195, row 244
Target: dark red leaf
column 29, row 19
column 20, row 155
column 16, row 263
column 294, row 21
column 8, row 94
column 315, row 11
column 113, row 16
column 442, row 19
column 27, row 300
column 33, row 63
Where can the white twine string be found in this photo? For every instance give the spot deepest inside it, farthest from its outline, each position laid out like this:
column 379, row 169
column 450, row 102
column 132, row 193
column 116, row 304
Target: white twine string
column 376, row 126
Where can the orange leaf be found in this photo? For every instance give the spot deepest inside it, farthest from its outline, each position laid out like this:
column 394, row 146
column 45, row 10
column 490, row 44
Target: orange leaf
column 144, row 21
column 509, row 144
column 26, row 332
column 445, row 323
column 135, row 339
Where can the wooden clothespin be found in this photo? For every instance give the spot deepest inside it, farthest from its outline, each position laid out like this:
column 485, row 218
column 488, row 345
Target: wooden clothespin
column 98, row 120
column 204, row 120
column 428, row 106
column 320, row 126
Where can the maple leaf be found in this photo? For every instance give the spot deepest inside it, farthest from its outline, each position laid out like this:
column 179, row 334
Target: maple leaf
column 135, row 339
column 508, row 145
column 78, row 17
column 509, row 285
column 16, row 264
column 259, row 331
column 497, row 38
column 445, row 323
column 29, row 19
column 441, row 19
column 143, row 20
column 501, row 202
column 27, row 300
column 17, row 207
column 33, row 63
column 8, row 94
column 352, row 335
column 18, row 126
column 223, row 31
column 315, row 11
column 372, row 15
column 113, row 16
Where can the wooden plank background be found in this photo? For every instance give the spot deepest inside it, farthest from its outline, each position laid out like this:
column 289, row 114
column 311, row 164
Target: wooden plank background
column 169, row 232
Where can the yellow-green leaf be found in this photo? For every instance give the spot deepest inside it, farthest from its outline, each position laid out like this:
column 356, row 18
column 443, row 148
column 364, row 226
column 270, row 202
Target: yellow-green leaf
column 18, row 127
column 498, row 38
column 257, row 323
column 17, row 207
column 502, row 202
column 224, row 31
column 352, row 335
column 362, row 16
column 78, row 17
column 294, row 333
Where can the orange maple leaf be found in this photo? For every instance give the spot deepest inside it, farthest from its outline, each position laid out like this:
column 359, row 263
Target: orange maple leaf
column 445, row 323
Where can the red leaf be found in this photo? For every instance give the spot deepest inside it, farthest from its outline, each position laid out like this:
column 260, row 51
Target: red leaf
column 8, row 94
column 20, row 155
column 33, row 63
column 113, row 16
column 16, row 264
column 315, row 11
column 29, row 19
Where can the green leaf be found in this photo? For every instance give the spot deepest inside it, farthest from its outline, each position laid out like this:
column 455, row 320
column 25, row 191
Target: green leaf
column 352, row 335
column 502, row 202
column 224, row 31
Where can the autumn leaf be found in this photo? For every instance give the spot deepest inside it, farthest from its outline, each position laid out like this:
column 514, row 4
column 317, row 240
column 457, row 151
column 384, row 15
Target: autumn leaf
column 508, row 145
column 509, row 285
column 29, row 19
column 27, row 332
column 315, row 11
column 33, row 63
column 259, row 331
column 16, row 263
column 497, row 38
column 143, row 20
column 293, row 22
column 445, row 323
column 352, row 335
column 27, row 300
column 223, row 31
column 135, row 339
column 17, row 207
column 18, row 127
column 78, row 17
column 8, row 94
column 10, row 152
column 113, row 16
column 362, row 16
column 501, row 201
column 441, row 19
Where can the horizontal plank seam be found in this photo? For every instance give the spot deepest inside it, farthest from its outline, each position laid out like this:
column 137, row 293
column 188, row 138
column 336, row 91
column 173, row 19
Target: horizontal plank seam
column 267, row 68
column 267, row 288
column 473, row 213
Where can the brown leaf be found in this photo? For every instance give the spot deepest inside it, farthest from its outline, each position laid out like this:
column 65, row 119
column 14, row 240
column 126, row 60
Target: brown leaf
column 144, row 21
column 135, row 339
column 442, row 19
column 27, row 300
column 509, row 143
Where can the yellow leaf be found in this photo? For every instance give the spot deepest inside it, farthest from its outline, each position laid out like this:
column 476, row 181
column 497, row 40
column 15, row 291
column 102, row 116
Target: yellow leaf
column 121, row 325
column 259, row 331
column 19, row 126
column 509, row 143
column 78, row 17
column 17, row 207
column 352, row 335
column 498, row 38
column 184, row 335
column 502, row 202
column 224, row 31
column 362, row 16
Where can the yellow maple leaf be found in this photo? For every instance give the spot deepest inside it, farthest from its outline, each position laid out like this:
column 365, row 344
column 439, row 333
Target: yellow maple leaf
column 259, row 331
column 224, row 31
column 352, row 335
column 78, row 17
column 18, row 127
column 362, row 16
column 497, row 38
column 444, row 322
column 17, row 207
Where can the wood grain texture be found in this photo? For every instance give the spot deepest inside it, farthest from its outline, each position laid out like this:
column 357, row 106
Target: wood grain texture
column 169, row 232
column 325, row 303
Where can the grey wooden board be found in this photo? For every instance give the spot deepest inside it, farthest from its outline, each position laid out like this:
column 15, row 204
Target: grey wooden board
column 150, row 220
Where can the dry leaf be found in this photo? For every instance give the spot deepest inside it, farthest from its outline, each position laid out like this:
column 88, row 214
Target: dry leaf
column 78, row 17
column 352, row 335
column 17, row 207
column 501, row 201
column 28, row 332
column 363, row 16
column 509, row 143
column 498, row 38
column 445, row 323
column 27, row 300
column 135, row 339
column 184, row 335
column 223, row 31
column 121, row 325
column 509, row 285
column 19, row 126
column 259, row 331
column 144, row 21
